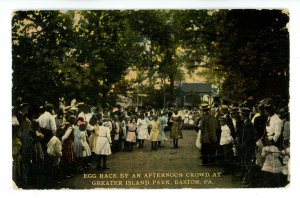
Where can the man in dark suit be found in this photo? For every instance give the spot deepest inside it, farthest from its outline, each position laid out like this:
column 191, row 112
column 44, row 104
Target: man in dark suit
column 208, row 126
column 247, row 146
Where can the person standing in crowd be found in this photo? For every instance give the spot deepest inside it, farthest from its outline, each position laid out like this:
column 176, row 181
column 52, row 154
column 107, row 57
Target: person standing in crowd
column 38, row 156
column 163, row 124
column 22, row 117
column 176, row 132
column 54, row 152
column 274, row 126
column 81, row 147
column 186, row 117
column 116, row 133
column 216, row 111
column 236, row 133
column 131, row 133
column 272, row 167
column 191, row 118
column 259, row 120
column 142, row 130
column 68, row 153
column 16, row 152
column 86, row 151
column 226, row 145
column 47, row 125
column 93, row 136
column 124, row 143
column 208, row 125
column 26, row 140
column 103, row 142
column 247, row 146
column 154, row 134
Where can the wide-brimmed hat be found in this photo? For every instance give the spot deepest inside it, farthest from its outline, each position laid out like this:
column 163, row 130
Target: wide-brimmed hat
column 204, row 106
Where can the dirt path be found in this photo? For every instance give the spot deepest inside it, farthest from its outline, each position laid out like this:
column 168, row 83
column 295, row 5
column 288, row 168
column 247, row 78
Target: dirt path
column 164, row 168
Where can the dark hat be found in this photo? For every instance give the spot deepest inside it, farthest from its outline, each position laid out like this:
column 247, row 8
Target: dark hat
column 269, row 108
column 234, row 110
column 222, row 118
column 245, row 110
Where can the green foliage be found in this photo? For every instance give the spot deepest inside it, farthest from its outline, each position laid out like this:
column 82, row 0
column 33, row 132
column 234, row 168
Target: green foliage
column 86, row 54
column 248, row 53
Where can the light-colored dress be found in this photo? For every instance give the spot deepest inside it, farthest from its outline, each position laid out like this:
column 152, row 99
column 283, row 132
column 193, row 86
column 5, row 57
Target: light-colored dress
column 191, row 119
column 155, row 128
column 103, row 141
column 272, row 163
column 186, row 118
column 163, row 123
column 142, row 129
column 226, row 137
column 131, row 136
column 83, row 141
column 93, row 138
column 82, row 148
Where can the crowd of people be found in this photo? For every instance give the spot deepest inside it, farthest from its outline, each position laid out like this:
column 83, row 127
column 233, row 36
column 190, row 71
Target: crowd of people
column 51, row 143
column 250, row 139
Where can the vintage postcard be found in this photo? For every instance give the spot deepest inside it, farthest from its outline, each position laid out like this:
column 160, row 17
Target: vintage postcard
column 166, row 98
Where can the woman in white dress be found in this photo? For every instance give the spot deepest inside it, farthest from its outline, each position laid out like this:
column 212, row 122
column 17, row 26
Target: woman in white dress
column 142, row 130
column 103, row 143
column 82, row 148
column 186, row 117
column 191, row 118
column 86, row 151
column 163, row 123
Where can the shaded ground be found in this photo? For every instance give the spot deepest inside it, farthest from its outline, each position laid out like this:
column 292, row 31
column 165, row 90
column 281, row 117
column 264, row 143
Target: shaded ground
column 164, row 168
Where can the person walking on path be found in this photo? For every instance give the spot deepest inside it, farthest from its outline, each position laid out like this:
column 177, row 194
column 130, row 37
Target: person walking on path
column 176, row 132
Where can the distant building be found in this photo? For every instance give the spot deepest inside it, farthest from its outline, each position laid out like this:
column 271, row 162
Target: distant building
column 201, row 90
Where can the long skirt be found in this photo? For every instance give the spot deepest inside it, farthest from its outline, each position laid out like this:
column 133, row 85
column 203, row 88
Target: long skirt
column 131, row 137
column 102, row 146
column 176, row 130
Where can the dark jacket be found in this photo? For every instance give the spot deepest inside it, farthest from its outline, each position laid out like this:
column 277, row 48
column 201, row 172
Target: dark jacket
column 247, row 141
column 208, row 127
